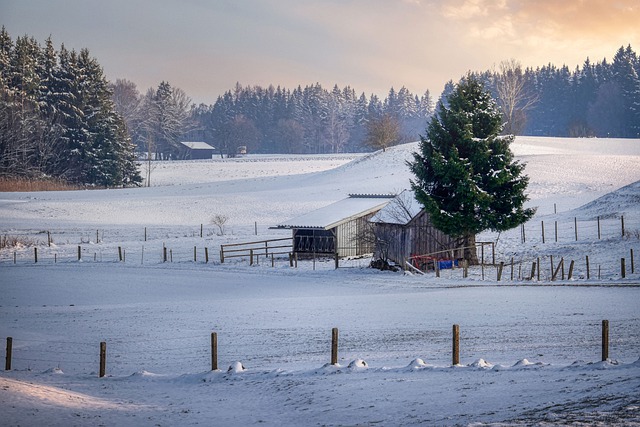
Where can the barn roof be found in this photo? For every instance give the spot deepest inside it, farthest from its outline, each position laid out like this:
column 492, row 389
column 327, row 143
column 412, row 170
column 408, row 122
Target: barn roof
column 401, row 210
column 197, row 145
column 328, row 217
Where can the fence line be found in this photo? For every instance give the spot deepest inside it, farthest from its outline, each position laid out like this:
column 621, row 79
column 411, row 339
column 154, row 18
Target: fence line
column 212, row 351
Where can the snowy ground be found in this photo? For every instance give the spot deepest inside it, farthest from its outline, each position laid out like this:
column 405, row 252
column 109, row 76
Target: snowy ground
column 530, row 350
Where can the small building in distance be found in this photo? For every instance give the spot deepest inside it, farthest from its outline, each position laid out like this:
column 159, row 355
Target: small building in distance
column 341, row 228
column 195, row 150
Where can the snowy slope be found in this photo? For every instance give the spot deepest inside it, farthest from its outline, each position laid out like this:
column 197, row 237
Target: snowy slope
column 530, row 351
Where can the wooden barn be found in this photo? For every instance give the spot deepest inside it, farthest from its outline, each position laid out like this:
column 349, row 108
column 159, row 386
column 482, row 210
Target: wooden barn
column 339, row 228
column 195, row 150
column 403, row 232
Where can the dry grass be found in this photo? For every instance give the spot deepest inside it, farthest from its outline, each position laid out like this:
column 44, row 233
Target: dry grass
column 23, row 184
column 17, row 241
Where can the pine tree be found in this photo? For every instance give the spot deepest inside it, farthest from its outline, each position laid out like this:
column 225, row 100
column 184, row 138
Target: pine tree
column 465, row 175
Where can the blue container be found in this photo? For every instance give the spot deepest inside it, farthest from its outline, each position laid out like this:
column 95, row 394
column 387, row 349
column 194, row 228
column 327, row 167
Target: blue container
column 446, row 264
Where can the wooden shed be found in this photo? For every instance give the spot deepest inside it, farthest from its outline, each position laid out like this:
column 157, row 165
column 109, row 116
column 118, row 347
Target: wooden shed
column 403, row 230
column 338, row 228
column 195, row 150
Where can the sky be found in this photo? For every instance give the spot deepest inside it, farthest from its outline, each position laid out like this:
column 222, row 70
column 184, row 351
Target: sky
column 205, row 47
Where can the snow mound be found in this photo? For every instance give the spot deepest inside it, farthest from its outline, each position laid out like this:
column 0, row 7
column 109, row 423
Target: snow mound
column 236, row 367
column 55, row 371
column 524, row 363
column 481, row 363
column 357, row 365
column 416, row 364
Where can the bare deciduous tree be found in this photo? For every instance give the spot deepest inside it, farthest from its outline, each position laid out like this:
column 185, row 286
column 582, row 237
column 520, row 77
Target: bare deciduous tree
column 513, row 97
column 383, row 132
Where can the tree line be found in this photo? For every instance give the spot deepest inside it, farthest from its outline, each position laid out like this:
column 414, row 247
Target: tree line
column 269, row 119
column 595, row 100
column 57, row 117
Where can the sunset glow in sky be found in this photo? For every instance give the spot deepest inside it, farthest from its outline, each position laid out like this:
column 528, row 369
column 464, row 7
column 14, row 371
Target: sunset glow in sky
column 205, row 47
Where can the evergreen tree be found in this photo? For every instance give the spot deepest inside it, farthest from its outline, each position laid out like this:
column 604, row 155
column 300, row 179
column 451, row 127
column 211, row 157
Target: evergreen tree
column 465, row 175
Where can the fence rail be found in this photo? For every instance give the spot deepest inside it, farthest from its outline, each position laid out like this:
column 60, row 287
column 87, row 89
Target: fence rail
column 250, row 250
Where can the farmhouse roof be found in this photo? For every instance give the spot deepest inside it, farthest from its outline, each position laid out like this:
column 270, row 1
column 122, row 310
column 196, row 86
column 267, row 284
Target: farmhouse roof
column 401, row 210
column 328, row 217
column 197, row 145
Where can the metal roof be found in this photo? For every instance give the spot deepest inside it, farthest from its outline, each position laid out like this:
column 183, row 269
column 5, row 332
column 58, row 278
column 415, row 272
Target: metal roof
column 339, row 212
column 197, row 145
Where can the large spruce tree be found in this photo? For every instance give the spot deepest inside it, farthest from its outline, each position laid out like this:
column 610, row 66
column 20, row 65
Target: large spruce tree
column 465, row 174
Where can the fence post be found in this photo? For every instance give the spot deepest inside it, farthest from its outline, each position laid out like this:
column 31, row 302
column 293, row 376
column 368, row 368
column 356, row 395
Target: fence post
column 200, row 230
column 103, row 358
column 334, row 346
column 7, row 363
column 622, row 222
column 214, row 351
column 195, row 254
column 556, row 226
column 250, row 256
column 575, row 223
column 337, row 260
column 605, row 340
column 533, row 271
column 598, row 228
column 623, row 269
column 145, row 234
column 79, row 253
column 49, row 238
column 570, row 270
column 512, row 269
column 206, row 255
column 588, row 273
column 633, row 269
column 221, row 254
column 164, row 254
column 456, row 345
column 35, row 254
column 120, row 253
column 500, row 267
column 542, row 231
column 538, row 268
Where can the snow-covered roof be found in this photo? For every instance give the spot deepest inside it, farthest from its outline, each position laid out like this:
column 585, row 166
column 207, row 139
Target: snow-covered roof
column 401, row 210
column 197, row 145
column 345, row 210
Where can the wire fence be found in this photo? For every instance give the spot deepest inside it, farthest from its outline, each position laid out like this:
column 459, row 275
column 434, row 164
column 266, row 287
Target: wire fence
column 283, row 348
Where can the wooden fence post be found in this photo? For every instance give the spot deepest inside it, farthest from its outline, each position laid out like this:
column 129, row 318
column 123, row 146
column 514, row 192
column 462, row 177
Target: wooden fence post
column 556, row 227
column 500, row 267
column 164, row 254
column 456, row 345
column 195, row 254
column 250, row 256
column 623, row 269
column 206, row 255
column 533, row 271
column 103, row 358
column 598, row 228
column 35, row 254
column 633, row 269
column 120, row 253
column 7, row 363
column 334, row 346
column 214, row 351
column 512, row 269
column 337, row 260
column 49, row 238
column 570, row 270
column 145, row 234
column 575, row 222
column 622, row 223
column 588, row 272
column 542, row 231
column 605, row 340
column 200, row 230
column 538, row 268
column 79, row 253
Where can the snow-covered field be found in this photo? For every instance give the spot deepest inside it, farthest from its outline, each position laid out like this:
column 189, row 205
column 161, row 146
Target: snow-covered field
column 530, row 350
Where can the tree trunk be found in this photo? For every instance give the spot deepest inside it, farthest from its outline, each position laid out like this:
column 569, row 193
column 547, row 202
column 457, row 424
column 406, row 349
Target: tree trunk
column 470, row 253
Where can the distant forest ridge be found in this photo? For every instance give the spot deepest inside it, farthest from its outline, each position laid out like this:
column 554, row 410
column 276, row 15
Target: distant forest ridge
column 61, row 118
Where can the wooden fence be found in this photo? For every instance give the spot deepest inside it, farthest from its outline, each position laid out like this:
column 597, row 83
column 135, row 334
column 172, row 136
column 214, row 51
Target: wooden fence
column 256, row 249
column 455, row 354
